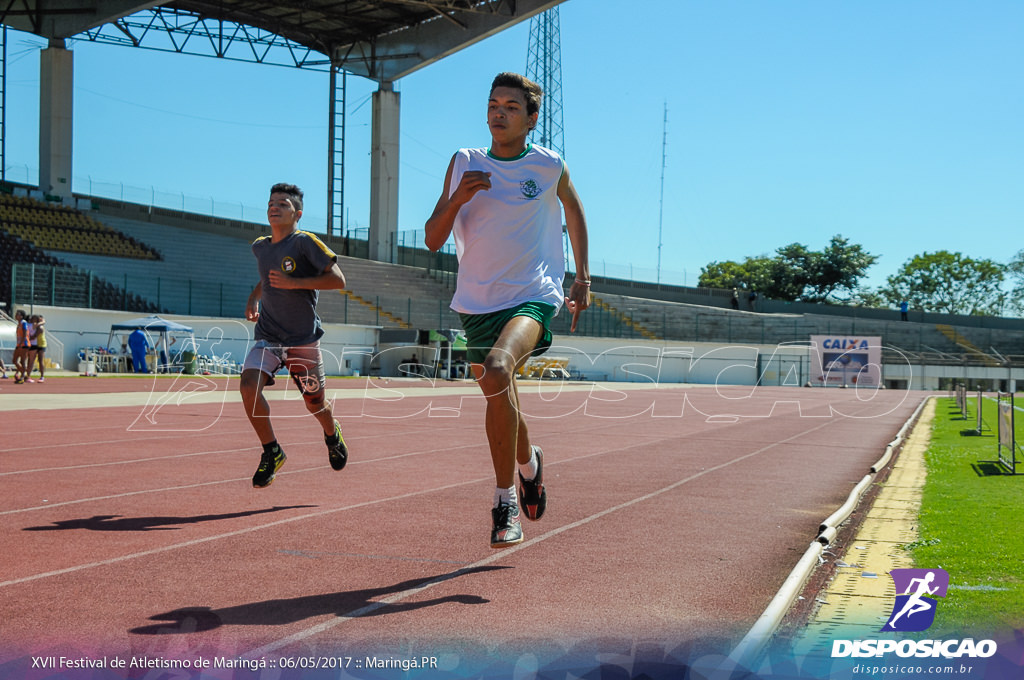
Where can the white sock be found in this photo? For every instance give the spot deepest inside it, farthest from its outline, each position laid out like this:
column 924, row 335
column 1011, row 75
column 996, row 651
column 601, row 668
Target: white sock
column 505, row 496
column 529, row 469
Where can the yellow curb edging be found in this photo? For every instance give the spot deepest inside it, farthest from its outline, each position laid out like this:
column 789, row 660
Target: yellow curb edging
column 860, row 595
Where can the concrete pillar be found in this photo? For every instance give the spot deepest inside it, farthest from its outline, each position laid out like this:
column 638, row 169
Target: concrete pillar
column 384, row 175
column 56, row 84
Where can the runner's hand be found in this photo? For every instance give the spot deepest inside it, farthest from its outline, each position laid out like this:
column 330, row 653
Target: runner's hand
column 577, row 300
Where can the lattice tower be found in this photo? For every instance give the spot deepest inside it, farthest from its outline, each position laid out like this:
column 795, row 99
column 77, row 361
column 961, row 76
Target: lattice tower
column 544, row 67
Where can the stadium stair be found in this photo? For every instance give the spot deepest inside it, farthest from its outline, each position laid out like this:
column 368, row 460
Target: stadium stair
column 957, row 338
column 209, row 269
column 624, row 318
column 388, row 316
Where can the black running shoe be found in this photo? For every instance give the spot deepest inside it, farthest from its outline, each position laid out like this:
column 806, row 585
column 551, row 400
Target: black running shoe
column 532, row 494
column 507, row 528
column 270, row 463
column 337, row 452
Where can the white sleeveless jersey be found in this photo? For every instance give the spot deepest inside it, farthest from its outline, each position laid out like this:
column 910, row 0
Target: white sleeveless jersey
column 509, row 238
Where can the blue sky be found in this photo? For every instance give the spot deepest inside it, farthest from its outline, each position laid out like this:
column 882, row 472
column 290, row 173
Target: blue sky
column 899, row 125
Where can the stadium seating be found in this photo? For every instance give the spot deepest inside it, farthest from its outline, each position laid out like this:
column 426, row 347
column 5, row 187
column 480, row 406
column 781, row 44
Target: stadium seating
column 204, row 273
column 697, row 323
column 209, row 270
column 55, row 227
column 43, row 279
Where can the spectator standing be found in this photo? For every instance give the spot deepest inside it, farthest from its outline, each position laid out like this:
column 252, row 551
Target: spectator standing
column 38, row 347
column 139, row 346
column 21, row 347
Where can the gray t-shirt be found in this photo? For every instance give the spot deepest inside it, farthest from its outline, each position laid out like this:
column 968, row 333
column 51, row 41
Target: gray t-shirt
column 288, row 317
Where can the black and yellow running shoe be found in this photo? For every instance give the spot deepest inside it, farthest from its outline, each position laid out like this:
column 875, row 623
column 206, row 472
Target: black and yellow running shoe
column 270, row 463
column 337, row 452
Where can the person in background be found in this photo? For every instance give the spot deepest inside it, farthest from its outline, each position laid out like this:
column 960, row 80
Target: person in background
column 165, row 361
column 21, row 347
column 38, row 347
column 139, row 346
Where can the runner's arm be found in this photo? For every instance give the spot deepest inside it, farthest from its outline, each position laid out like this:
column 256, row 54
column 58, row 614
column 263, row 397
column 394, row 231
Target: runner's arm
column 576, row 227
column 330, row 279
column 439, row 225
column 252, row 307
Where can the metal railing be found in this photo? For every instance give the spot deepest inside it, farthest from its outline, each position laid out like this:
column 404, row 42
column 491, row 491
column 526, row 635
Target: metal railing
column 61, row 286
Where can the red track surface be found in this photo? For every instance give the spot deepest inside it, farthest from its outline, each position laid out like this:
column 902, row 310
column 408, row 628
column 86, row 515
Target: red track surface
column 674, row 516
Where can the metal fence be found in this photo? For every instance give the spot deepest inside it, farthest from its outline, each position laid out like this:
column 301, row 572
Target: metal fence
column 61, row 286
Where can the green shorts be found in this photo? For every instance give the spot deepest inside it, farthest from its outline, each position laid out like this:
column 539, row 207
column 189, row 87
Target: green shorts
column 482, row 330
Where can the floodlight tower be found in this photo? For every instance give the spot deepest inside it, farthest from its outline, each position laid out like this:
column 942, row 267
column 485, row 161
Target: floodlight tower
column 544, row 67
column 3, row 103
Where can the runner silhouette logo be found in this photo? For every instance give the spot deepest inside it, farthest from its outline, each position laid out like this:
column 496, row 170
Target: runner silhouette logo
column 914, row 609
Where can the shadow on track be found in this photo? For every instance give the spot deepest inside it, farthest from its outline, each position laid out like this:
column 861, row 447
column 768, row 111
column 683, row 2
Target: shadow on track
column 349, row 604
column 118, row 523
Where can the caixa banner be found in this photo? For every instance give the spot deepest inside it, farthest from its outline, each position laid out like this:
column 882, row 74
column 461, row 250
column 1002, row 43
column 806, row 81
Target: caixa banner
column 843, row 360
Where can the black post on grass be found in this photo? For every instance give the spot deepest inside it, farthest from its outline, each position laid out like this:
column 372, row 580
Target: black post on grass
column 979, row 423
column 1006, row 439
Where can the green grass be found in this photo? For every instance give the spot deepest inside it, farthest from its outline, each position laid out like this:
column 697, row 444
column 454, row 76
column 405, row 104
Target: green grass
column 972, row 524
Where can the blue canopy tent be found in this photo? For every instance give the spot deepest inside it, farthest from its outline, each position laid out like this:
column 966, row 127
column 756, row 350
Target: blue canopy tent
column 161, row 333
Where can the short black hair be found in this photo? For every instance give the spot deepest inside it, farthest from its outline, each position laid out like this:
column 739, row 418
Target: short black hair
column 534, row 93
column 294, row 193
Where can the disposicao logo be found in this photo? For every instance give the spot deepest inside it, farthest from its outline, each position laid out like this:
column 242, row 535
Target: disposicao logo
column 914, row 609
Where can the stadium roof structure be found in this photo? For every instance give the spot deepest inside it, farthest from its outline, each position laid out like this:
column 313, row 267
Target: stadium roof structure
column 383, row 40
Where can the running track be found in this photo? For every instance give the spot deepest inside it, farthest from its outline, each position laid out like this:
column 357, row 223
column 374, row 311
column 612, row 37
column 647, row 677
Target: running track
column 130, row 528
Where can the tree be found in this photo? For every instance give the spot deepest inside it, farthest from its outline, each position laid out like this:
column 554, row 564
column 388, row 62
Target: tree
column 751, row 274
column 948, row 282
column 792, row 271
column 1016, row 271
column 795, row 273
column 838, row 268
column 866, row 296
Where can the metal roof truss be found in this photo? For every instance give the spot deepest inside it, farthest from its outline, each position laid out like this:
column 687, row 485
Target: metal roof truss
column 383, row 40
column 173, row 30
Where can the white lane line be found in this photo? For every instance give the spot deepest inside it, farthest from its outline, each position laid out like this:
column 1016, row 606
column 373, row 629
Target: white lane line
column 218, row 481
column 230, row 534
column 498, row 555
column 374, row 391
column 363, row 439
column 187, row 544
column 247, row 433
column 992, row 399
column 410, row 592
column 110, row 463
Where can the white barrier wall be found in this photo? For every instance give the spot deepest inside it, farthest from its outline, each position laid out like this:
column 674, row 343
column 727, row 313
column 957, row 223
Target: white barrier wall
column 349, row 348
column 346, row 348
column 925, row 377
column 678, row 362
